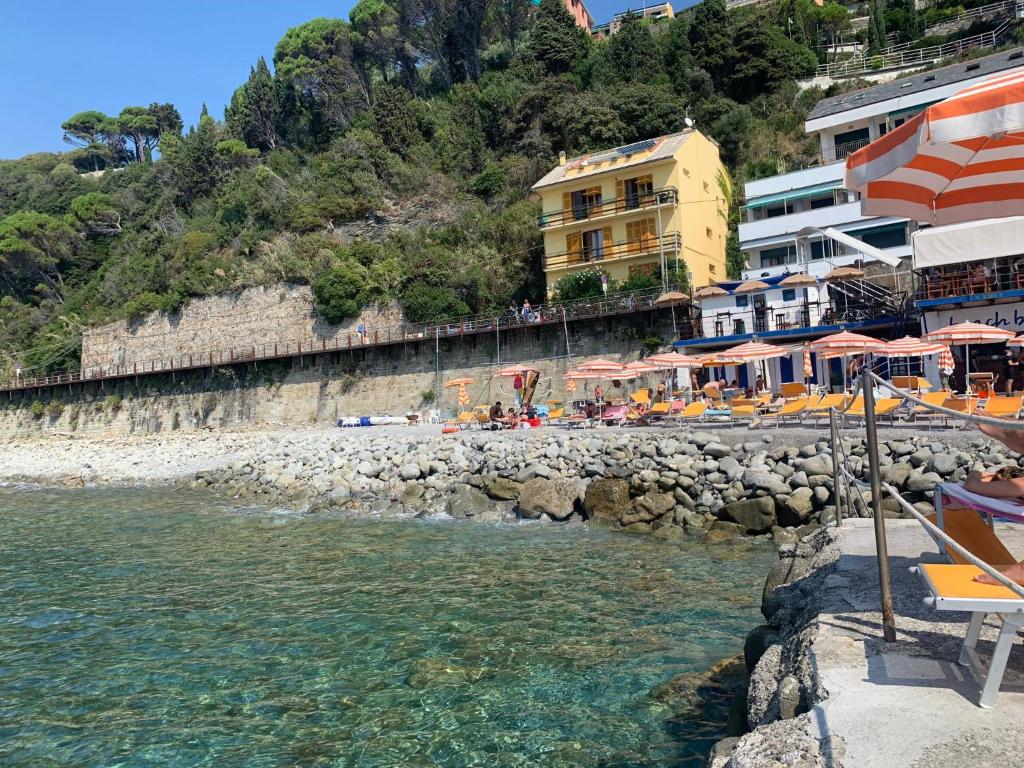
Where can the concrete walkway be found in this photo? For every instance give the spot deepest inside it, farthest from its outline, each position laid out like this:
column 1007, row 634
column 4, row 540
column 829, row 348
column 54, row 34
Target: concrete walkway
column 909, row 703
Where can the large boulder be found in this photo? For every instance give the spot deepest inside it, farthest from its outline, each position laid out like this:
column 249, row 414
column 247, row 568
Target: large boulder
column 798, row 507
column 465, row 501
column 755, row 515
column 650, row 506
column 722, row 530
column 816, row 465
column 607, row 500
column 554, row 498
column 502, row 488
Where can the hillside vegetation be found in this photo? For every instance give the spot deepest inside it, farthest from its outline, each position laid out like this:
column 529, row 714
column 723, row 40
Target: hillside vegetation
column 386, row 157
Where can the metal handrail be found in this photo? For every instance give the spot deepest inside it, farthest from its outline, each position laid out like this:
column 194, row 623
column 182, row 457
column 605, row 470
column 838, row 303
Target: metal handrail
column 613, row 252
column 627, row 204
column 867, row 62
column 613, row 304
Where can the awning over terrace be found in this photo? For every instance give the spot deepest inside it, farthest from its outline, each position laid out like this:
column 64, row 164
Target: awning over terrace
column 970, row 241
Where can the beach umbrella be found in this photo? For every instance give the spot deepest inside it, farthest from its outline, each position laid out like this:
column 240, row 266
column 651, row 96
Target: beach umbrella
column 451, row 383
column 808, row 365
column 1016, row 341
column 752, row 286
column 908, row 347
column 946, row 361
column 665, row 360
column 843, row 345
column 599, row 366
column 463, row 394
column 967, row 334
column 958, row 160
column 709, row 292
column 844, row 273
column 799, row 280
column 755, row 351
column 511, row 371
column 671, row 298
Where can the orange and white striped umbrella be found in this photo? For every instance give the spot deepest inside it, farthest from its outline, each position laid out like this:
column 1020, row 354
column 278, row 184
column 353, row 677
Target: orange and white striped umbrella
column 754, row 350
column 808, row 366
column 959, row 160
column 844, row 343
column 640, row 367
column 512, row 371
column 667, row 360
column 946, row 361
column 908, row 346
column 1017, row 341
column 599, row 366
column 969, row 333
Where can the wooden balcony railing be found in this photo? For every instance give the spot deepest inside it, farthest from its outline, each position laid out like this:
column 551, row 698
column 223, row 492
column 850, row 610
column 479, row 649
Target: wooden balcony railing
column 613, row 252
column 585, row 212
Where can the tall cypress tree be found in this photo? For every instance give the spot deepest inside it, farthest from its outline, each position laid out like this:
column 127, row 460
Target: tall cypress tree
column 252, row 113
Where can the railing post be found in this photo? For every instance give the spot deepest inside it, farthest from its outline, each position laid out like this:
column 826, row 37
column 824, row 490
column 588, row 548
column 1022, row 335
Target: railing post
column 881, row 546
column 836, row 478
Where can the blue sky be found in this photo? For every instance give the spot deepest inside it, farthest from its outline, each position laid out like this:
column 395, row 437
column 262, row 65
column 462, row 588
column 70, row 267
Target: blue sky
column 59, row 57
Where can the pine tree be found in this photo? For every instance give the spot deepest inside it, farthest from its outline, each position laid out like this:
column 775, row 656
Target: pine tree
column 556, row 41
column 711, row 42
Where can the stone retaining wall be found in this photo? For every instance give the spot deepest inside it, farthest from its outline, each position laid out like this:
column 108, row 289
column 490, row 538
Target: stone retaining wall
column 252, row 317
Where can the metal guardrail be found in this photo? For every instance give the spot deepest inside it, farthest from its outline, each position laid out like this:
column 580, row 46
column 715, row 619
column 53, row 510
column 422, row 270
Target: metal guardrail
column 966, row 280
column 587, row 212
column 981, row 12
column 615, row 304
column 867, row 63
column 613, row 252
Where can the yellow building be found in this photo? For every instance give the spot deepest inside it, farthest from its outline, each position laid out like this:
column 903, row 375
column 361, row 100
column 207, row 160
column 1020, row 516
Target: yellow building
column 627, row 210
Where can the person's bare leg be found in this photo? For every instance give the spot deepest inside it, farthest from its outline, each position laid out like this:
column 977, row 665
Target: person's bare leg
column 1011, row 438
column 1014, row 572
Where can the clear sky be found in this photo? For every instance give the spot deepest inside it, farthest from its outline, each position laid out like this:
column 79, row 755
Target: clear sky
column 59, row 57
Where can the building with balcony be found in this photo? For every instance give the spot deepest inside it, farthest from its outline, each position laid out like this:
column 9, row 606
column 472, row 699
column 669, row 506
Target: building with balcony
column 642, row 208
column 653, row 12
column 779, row 207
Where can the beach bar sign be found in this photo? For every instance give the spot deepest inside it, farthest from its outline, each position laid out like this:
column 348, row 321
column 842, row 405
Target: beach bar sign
column 1008, row 317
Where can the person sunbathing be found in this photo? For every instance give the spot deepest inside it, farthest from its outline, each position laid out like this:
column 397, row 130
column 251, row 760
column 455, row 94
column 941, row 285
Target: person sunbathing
column 1006, row 483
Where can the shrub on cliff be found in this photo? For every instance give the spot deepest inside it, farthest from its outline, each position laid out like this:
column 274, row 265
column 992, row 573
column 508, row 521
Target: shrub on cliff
column 341, row 292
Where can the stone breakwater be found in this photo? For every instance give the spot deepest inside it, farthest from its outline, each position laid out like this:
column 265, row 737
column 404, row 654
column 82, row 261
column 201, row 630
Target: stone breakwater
column 668, row 483
column 715, row 483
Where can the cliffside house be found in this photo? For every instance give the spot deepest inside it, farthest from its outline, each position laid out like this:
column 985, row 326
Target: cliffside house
column 630, row 209
column 652, row 12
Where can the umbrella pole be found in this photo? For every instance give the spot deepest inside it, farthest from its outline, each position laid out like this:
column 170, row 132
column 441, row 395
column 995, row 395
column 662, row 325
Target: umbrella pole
column 881, row 546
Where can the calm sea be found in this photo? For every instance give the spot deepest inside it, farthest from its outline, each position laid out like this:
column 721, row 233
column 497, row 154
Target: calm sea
column 171, row 629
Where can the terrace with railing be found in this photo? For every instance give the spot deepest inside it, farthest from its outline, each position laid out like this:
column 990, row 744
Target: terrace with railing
column 901, row 56
column 591, row 211
column 628, row 249
column 959, row 283
column 613, row 305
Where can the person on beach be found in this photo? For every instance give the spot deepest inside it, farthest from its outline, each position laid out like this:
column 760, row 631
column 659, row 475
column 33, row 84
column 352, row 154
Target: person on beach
column 598, row 394
column 496, row 414
column 1009, row 372
column 513, row 418
column 989, row 484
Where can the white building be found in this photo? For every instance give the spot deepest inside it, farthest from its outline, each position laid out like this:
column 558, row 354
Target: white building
column 779, row 207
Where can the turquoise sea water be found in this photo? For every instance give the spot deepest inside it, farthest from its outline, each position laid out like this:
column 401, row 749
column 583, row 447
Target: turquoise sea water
column 159, row 628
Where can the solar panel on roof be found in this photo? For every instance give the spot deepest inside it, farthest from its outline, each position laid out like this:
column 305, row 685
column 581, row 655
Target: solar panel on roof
column 635, row 147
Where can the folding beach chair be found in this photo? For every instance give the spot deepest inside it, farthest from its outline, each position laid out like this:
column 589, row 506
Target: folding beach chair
column 693, row 412
column 1002, row 407
column 953, row 588
column 791, row 411
column 885, row 407
column 819, row 408
column 794, row 389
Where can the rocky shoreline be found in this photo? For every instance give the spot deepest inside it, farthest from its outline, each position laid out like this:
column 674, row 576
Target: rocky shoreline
column 716, row 484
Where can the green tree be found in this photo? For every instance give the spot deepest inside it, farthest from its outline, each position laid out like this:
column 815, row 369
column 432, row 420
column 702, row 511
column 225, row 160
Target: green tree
column 833, row 22
column 876, row 26
column 633, row 51
column 646, row 110
column 33, row 247
column 711, row 41
column 194, row 161
column 96, row 212
column 376, row 39
column 555, row 40
column 513, row 16
column 319, row 90
column 252, row 114
column 393, row 118
column 93, row 131
column 765, row 60
column 141, row 131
